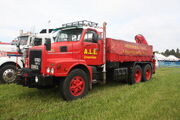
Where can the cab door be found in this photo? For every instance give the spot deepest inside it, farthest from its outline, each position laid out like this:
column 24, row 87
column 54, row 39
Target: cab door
column 91, row 48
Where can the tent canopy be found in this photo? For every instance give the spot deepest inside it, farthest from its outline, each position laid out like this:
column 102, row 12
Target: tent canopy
column 169, row 58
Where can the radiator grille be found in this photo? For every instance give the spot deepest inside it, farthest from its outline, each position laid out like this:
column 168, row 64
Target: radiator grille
column 35, row 59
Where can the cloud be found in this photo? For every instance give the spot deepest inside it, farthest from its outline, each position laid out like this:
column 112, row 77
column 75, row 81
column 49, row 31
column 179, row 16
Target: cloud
column 158, row 20
column 159, row 30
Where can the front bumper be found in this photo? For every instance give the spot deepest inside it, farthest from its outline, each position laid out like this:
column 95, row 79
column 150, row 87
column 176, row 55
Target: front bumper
column 33, row 79
column 26, row 72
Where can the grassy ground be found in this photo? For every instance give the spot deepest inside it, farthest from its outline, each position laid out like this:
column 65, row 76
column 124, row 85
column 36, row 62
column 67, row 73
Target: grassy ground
column 155, row 99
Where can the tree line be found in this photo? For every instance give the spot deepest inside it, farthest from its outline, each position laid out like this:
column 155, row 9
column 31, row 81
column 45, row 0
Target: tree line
column 168, row 52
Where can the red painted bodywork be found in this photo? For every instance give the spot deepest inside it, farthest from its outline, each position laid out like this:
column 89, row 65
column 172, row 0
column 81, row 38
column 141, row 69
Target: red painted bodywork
column 4, row 43
column 86, row 54
column 123, row 51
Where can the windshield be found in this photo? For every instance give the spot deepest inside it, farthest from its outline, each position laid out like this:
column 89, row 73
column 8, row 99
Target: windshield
column 22, row 40
column 36, row 42
column 69, row 35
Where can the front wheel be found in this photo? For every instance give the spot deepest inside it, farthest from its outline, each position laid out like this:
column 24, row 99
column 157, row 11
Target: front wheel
column 8, row 74
column 75, row 85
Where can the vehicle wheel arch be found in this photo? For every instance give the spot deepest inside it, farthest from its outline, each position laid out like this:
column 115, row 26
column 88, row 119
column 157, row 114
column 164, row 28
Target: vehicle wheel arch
column 10, row 63
column 142, row 64
column 82, row 67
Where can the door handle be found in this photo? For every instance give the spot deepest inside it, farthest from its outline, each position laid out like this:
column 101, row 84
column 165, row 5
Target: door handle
column 97, row 49
column 88, row 45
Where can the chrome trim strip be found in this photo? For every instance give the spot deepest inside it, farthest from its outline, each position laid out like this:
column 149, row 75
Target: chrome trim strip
column 61, row 53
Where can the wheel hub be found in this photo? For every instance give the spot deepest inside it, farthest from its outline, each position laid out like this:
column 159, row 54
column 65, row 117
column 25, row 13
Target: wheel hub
column 77, row 85
column 137, row 76
column 148, row 74
column 9, row 75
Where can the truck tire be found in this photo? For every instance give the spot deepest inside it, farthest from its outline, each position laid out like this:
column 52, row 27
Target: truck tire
column 147, row 72
column 8, row 74
column 75, row 85
column 136, row 75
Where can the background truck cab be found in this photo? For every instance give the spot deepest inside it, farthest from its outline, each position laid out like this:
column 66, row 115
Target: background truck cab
column 14, row 54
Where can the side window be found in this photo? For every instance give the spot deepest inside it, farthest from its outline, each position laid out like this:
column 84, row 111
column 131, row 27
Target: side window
column 89, row 36
column 47, row 40
column 30, row 41
column 37, row 41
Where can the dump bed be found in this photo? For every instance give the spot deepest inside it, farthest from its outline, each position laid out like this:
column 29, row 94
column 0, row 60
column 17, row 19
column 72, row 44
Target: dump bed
column 123, row 51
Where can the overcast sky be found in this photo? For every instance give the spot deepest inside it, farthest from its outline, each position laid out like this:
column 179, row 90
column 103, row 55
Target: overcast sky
column 157, row 20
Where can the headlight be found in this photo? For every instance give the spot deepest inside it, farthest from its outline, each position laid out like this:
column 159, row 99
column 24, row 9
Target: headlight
column 36, row 79
column 52, row 70
column 48, row 70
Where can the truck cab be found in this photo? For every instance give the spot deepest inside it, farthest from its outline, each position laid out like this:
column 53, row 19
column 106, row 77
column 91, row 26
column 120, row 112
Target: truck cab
column 74, row 45
column 78, row 47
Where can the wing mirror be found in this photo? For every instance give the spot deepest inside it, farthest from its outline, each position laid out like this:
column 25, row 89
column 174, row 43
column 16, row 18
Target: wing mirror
column 18, row 47
column 48, row 44
column 95, row 38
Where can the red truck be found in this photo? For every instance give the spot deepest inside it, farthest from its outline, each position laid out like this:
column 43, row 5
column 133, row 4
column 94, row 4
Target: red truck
column 82, row 55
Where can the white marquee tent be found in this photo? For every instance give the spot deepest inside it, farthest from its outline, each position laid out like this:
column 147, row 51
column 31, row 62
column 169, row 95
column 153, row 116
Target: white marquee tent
column 160, row 56
column 172, row 58
column 164, row 58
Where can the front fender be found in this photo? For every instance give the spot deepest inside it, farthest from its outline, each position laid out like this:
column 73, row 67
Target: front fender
column 7, row 59
column 63, row 67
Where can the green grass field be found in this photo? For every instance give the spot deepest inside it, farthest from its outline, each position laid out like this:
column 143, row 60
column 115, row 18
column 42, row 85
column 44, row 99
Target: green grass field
column 158, row 99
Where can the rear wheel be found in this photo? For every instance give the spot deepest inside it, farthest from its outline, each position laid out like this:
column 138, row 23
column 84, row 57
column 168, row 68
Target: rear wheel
column 147, row 72
column 8, row 74
column 136, row 75
column 75, row 85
